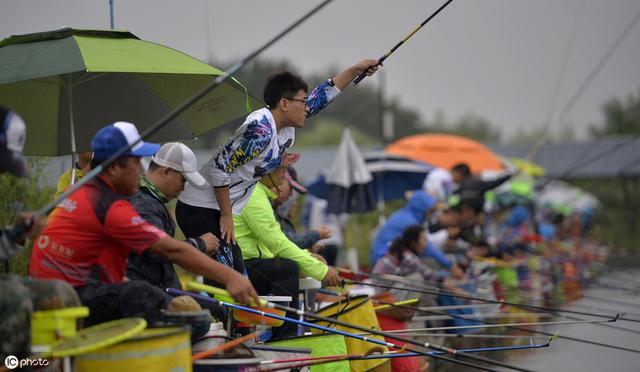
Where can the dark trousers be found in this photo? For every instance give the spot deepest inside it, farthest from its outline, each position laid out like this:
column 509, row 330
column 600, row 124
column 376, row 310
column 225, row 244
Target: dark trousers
column 329, row 253
column 196, row 221
column 277, row 277
column 135, row 298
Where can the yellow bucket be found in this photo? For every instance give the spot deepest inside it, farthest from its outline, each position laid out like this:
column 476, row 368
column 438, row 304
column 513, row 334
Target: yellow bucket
column 358, row 311
column 154, row 349
column 50, row 326
column 320, row 345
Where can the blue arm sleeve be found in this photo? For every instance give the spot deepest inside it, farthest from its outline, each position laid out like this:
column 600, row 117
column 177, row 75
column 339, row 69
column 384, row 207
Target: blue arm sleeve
column 435, row 253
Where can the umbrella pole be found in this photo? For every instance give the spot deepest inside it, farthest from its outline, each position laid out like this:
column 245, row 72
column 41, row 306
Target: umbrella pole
column 74, row 153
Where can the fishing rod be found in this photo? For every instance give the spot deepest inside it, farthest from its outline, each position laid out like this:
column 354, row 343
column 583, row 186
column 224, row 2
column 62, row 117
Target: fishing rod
column 587, row 307
column 395, row 278
column 348, row 357
column 480, row 316
column 409, row 333
column 501, row 302
column 392, row 278
column 606, row 300
column 409, row 35
column 629, row 290
column 514, row 327
column 19, row 229
column 581, row 89
column 484, row 349
column 499, row 325
column 222, row 293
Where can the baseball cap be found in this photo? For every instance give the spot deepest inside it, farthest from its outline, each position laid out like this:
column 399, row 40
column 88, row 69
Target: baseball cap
column 179, row 157
column 113, row 137
column 12, row 137
column 292, row 176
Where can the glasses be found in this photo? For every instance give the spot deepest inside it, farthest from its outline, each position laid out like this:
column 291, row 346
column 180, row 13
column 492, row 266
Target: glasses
column 303, row 100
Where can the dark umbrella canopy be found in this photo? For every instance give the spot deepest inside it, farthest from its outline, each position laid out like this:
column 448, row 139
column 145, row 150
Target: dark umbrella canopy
column 393, row 175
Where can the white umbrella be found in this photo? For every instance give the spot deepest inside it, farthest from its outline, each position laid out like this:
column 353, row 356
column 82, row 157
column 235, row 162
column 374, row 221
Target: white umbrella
column 348, row 188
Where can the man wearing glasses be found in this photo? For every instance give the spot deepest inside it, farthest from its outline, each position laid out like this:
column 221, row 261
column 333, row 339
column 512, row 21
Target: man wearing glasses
column 256, row 149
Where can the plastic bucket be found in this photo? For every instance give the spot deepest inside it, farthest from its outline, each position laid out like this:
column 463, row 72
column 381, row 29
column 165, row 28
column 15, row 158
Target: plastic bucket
column 154, row 349
column 238, row 358
column 358, row 311
column 320, row 345
column 49, row 326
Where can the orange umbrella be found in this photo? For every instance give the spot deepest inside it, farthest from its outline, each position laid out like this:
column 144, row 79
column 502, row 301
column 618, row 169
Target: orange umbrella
column 445, row 150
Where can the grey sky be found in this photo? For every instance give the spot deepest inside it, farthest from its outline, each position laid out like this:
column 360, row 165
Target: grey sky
column 497, row 58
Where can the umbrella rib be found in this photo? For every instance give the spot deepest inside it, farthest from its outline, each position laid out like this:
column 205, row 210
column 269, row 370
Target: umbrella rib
column 47, row 81
column 177, row 118
column 89, row 77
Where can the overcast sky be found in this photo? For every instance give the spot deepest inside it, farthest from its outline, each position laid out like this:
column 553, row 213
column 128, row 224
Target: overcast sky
column 500, row 59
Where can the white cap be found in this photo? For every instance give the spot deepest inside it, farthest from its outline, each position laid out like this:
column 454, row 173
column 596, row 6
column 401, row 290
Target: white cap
column 179, row 157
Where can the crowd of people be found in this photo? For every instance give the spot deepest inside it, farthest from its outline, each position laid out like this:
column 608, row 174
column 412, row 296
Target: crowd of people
column 110, row 247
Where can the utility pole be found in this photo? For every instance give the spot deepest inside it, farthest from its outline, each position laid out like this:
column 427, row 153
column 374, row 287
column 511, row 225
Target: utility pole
column 386, row 116
column 111, row 12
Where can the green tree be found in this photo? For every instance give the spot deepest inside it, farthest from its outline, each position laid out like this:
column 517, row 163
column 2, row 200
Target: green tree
column 621, row 117
column 22, row 194
column 325, row 132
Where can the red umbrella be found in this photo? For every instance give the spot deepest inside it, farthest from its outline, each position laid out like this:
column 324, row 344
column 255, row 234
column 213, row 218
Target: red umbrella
column 445, row 150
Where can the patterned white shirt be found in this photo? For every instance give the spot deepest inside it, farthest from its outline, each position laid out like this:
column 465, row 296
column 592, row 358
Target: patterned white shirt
column 252, row 152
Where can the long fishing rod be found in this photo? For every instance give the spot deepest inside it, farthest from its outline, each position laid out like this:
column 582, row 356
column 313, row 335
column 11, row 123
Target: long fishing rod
column 501, row 302
column 581, row 89
column 499, row 325
column 484, row 349
column 608, row 325
column 514, row 327
column 18, row 229
column 393, row 278
column 410, row 333
column 222, row 293
column 390, row 355
column 606, row 300
column 622, row 312
column 409, row 35
column 480, row 316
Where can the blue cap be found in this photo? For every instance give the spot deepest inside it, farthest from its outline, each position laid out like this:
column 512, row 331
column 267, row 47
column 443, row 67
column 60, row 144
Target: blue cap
column 114, row 137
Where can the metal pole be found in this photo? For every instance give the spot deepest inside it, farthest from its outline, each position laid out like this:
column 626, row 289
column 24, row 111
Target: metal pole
column 111, row 12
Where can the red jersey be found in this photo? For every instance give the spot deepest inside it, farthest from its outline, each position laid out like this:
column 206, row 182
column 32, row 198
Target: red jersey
column 94, row 228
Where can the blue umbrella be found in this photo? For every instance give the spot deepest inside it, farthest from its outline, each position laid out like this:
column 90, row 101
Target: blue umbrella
column 392, row 176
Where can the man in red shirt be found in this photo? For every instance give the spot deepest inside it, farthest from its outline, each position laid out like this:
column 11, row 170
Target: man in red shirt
column 91, row 233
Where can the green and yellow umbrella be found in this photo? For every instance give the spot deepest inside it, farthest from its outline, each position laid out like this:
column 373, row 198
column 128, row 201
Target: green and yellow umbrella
column 69, row 83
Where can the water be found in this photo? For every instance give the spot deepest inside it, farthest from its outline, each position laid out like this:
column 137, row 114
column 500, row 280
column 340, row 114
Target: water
column 565, row 355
